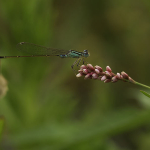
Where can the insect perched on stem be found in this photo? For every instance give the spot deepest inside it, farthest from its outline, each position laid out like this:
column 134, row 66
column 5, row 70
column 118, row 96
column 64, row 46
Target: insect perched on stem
column 41, row 51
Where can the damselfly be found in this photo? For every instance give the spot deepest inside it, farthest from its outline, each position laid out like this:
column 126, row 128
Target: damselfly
column 41, row 51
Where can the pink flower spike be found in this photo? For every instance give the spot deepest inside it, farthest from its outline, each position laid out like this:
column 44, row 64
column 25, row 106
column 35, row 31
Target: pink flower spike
column 97, row 71
column 79, row 75
column 107, row 80
column 99, row 68
column 85, row 71
column 94, row 76
column 114, row 79
column 103, row 78
column 90, row 67
column 108, row 69
column 125, row 76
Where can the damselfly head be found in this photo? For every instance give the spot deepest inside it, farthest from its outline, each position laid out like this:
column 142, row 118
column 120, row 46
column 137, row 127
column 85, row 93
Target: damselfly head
column 86, row 53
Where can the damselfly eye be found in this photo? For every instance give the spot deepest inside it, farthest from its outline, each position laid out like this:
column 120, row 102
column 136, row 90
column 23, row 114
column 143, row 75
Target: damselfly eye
column 85, row 51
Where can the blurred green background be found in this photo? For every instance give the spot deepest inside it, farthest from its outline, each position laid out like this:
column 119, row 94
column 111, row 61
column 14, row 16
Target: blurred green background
column 47, row 107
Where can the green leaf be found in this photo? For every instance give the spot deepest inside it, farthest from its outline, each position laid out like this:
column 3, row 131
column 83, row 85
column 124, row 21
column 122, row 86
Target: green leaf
column 146, row 94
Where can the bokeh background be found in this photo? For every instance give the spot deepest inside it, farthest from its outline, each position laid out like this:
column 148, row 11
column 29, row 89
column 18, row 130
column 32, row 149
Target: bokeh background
column 46, row 106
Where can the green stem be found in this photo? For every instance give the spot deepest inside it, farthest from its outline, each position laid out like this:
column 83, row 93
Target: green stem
column 141, row 84
column 134, row 82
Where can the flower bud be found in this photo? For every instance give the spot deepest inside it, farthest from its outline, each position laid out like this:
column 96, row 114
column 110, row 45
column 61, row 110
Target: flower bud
column 121, row 77
column 79, row 75
column 112, row 74
column 80, row 71
column 108, row 69
column 131, row 80
column 88, row 76
column 90, row 67
column 125, row 76
column 103, row 78
column 97, row 71
column 108, row 74
column 94, row 76
column 85, row 71
column 118, row 76
column 83, row 67
column 114, row 79
column 99, row 68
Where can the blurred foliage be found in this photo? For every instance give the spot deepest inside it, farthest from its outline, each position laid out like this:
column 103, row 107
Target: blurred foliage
column 1, row 125
column 46, row 106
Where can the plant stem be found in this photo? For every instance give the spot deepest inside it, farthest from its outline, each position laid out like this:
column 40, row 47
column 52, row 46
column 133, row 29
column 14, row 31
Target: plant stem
column 141, row 84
